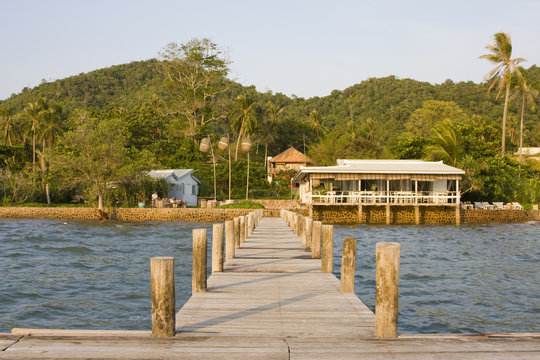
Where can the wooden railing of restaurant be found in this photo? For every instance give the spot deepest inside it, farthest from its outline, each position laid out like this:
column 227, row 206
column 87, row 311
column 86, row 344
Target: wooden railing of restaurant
column 383, row 197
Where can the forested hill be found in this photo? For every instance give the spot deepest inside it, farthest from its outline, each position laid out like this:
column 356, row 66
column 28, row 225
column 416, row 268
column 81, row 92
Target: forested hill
column 377, row 109
column 126, row 85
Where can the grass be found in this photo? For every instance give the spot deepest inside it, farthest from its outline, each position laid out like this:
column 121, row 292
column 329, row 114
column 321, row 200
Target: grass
column 246, row 204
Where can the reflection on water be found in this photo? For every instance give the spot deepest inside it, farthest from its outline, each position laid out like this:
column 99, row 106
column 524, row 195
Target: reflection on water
column 96, row 275
column 472, row 278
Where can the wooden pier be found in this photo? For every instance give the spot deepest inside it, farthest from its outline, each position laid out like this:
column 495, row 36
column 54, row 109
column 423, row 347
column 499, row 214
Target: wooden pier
column 271, row 302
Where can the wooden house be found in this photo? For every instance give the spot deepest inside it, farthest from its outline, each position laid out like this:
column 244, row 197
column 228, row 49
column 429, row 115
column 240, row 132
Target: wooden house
column 183, row 185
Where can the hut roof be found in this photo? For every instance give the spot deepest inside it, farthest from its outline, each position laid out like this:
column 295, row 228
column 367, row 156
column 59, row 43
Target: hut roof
column 291, row 155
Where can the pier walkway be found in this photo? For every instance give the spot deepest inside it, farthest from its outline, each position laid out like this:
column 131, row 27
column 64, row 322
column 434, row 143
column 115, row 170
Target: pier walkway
column 271, row 302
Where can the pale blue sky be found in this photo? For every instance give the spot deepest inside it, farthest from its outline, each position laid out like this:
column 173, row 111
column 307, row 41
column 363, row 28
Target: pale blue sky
column 306, row 48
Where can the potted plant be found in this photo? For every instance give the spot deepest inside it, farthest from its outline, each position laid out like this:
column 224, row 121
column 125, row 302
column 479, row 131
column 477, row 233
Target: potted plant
column 141, row 198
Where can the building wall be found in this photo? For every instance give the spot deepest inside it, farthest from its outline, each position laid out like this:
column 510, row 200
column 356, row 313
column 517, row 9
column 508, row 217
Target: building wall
column 183, row 189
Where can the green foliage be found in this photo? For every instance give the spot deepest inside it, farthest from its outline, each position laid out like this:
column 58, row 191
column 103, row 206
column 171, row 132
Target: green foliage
column 246, row 204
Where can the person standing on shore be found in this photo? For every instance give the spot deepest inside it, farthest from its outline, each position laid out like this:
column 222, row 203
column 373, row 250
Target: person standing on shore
column 154, row 199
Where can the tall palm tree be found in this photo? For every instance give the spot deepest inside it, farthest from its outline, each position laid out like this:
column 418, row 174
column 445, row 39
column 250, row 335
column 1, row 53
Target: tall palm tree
column 268, row 126
column 7, row 119
column 244, row 120
column 501, row 75
column 50, row 129
column 33, row 114
column 315, row 121
column 527, row 93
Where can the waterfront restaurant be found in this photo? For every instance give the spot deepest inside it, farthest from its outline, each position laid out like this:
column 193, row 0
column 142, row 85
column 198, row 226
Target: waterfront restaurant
column 380, row 182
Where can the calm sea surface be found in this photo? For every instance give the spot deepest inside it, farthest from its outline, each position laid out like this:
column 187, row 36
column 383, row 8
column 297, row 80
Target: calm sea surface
column 95, row 275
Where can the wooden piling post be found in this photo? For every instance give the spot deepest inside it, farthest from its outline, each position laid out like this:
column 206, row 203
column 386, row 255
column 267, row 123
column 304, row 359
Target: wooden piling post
column 316, row 240
column 198, row 279
column 386, row 289
column 308, row 233
column 388, row 215
column 242, row 229
column 217, row 248
column 229, row 239
column 417, row 215
column 348, row 265
column 249, row 225
column 458, row 215
column 162, row 296
column 236, row 222
column 327, row 253
column 301, row 228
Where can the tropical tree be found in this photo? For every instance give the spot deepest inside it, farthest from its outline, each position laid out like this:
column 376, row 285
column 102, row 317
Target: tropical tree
column 32, row 115
column 95, row 155
column 194, row 74
column 244, row 119
column 446, row 144
column 7, row 121
column 527, row 92
column 50, row 129
column 501, row 75
column 268, row 125
column 315, row 122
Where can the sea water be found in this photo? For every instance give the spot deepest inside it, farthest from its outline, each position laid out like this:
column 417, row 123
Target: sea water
column 96, row 275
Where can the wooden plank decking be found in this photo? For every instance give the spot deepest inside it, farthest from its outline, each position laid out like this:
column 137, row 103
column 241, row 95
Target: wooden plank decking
column 272, row 302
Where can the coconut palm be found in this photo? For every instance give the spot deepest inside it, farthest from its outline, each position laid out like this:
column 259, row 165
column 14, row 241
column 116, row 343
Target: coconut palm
column 527, row 93
column 315, row 121
column 447, row 144
column 50, row 129
column 501, row 75
column 7, row 119
column 33, row 114
column 244, row 119
column 268, row 125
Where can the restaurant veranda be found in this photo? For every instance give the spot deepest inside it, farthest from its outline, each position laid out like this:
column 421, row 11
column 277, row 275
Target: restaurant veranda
column 380, row 182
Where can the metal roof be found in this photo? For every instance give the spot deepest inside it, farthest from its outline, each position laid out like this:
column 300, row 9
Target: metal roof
column 413, row 167
column 178, row 173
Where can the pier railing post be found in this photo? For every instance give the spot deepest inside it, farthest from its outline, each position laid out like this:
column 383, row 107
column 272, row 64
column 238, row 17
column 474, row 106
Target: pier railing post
column 217, row 248
column 301, row 228
column 308, row 233
column 236, row 222
column 316, row 240
column 242, row 229
column 348, row 265
column 386, row 289
column 229, row 239
column 327, row 254
column 162, row 296
column 198, row 279
column 249, row 225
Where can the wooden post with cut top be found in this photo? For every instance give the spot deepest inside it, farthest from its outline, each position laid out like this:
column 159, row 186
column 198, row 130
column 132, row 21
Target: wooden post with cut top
column 217, row 248
column 229, row 239
column 386, row 289
column 316, row 240
column 198, row 278
column 327, row 253
column 236, row 222
column 242, row 229
column 308, row 233
column 348, row 265
column 162, row 296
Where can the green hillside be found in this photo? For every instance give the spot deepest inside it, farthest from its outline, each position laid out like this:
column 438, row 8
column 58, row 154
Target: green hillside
column 157, row 121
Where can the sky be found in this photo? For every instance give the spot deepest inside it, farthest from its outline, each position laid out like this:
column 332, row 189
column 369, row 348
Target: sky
column 301, row 48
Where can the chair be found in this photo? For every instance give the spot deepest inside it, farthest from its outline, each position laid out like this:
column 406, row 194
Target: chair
column 516, row 206
column 498, row 205
column 487, row 205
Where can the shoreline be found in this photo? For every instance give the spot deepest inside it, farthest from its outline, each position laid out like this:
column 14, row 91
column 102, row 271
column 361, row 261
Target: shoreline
column 338, row 216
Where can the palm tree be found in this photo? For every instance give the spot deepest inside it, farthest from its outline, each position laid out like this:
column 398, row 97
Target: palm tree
column 527, row 93
column 268, row 126
column 244, row 120
column 501, row 75
column 447, row 144
column 33, row 114
column 315, row 121
column 7, row 120
column 50, row 129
